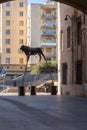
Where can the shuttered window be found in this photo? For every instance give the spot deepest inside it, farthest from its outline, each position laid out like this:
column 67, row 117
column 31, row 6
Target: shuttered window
column 68, row 37
column 64, row 73
column 79, row 32
column 79, row 72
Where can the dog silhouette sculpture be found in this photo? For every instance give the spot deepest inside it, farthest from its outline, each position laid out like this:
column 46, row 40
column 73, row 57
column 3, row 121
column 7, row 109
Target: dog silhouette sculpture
column 32, row 51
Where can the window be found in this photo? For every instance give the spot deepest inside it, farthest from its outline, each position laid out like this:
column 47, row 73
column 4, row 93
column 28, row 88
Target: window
column 21, row 13
column 61, row 40
column 20, row 51
column 48, row 59
column 7, row 50
column 79, row 71
column 7, row 60
column 21, row 67
column 8, row 23
column 68, row 37
column 49, row 22
column 79, row 32
column 7, row 4
column 48, row 50
column 21, row 41
column 7, row 41
column 7, row 32
column 48, row 31
column 7, row 13
column 48, row 11
column 48, row 40
column 64, row 73
column 21, row 23
column 21, row 32
column 20, row 60
column 21, row 4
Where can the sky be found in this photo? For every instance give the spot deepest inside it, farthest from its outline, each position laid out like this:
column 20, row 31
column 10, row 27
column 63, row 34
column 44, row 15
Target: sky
column 36, row 1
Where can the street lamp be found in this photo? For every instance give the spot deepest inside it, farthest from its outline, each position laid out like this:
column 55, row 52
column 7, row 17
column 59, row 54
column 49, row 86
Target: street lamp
column 72, row 22
column 67, row 16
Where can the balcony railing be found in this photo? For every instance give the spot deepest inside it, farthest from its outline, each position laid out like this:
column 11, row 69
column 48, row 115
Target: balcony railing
column 50, row 54
column 49, row 25
column 53, row 54
column 48, row 15
column 48, row 44
column 48, row 6
column 49, row 35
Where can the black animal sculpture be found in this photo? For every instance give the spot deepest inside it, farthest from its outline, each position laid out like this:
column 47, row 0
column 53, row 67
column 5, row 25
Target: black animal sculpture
column 32, row 51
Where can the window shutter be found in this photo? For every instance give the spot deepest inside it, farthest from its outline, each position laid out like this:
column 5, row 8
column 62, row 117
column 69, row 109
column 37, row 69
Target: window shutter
column 64, row 73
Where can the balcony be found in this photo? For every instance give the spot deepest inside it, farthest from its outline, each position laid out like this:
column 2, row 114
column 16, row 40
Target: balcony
column 48, row 15
column 45, row 25
column 53, row 34
column 52, row 7
column 51, row 54
column 48, row 44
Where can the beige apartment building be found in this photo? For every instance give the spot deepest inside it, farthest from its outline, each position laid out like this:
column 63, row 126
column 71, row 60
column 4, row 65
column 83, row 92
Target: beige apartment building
column 13, row 31
column 43, row 28
column 73, row 52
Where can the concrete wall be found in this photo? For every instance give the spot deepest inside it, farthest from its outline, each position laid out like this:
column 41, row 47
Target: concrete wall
column 79, row 51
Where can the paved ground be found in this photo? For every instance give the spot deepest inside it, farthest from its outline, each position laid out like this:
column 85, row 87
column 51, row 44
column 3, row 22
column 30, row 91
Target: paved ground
column 45, row 112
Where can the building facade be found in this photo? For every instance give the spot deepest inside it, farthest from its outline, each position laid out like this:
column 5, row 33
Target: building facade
column 73, row 49
column 34, row 16
column 43, row 27
column 13, row 34
column 49, row 29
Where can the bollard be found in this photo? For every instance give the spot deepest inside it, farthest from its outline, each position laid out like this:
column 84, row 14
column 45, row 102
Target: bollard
column 53, row 90
column 21, row 91
column 33, row 90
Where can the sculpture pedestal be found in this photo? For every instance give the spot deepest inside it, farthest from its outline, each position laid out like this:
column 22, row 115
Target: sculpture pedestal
column 53, row 90
column 33, row 90
column 21, row 91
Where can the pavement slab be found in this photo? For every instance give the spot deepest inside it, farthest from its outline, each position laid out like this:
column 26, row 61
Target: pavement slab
column 43, row 112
